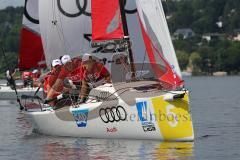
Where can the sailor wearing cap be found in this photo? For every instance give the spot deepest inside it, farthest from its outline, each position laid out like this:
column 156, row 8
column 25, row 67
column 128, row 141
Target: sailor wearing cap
column 67, row 69
column 52, row 76
column 35, row 77
column 86, row 57
column 69, row 66
column 49, row 79
column 65, row 59
column 56, row 62
column 93, row 74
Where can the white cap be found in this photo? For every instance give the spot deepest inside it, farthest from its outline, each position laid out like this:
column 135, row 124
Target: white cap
column 86, row 57
column 35, row 71
column 65, row 59
column 56, row 62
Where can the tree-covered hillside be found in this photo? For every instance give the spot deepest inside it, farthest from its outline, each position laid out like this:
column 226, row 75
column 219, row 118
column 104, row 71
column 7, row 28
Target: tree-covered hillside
column 10, row 25
column 202, row 15
column 219, row 18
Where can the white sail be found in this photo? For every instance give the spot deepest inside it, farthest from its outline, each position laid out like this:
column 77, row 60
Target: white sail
column 141, row 57
column 63, row 26
column 153, row 19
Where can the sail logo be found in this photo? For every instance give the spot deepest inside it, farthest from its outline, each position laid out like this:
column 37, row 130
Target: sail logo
column 81, row 117
column 82, row 9
column 145, row 116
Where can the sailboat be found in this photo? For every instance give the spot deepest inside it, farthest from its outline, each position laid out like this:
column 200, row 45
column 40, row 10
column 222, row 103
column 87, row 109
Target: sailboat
column 146, row 99
column 31, row 53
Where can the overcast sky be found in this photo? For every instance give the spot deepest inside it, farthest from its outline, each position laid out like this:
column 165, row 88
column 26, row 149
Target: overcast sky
column 5, row 3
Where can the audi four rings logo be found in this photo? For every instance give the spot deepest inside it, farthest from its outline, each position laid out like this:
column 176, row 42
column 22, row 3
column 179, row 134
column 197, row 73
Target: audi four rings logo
column 113, row 114
column 82, row 9
column 31, row 19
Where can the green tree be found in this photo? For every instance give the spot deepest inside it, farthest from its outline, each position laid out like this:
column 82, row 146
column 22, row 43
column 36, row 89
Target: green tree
column 10, row 25
column 233, row 58
column 183, row 59
column 231, row 15
column 10, row 62
column 195, row 63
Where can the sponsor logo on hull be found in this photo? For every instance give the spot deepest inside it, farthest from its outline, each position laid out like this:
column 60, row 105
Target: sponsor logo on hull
column 113, row 114
column 81, row 117
column 145, row 116
column 112, row 129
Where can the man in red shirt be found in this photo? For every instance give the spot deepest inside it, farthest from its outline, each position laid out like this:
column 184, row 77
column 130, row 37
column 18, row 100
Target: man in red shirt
column 68, row 70
column 36, row 74
column 53, row 75
column 27, row 78
column 93, row 74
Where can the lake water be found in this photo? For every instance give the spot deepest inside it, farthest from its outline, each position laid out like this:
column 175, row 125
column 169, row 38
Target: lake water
column 215, row 103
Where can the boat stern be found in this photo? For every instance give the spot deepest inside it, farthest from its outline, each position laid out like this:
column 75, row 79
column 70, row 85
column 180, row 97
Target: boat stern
column 174, row 117
column 171, row 114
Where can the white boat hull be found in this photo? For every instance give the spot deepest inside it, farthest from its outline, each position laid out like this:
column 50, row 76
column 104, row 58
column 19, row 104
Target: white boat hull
column 148, row 118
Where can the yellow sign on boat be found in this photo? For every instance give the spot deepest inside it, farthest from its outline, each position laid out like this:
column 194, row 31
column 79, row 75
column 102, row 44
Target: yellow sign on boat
column 173, row 118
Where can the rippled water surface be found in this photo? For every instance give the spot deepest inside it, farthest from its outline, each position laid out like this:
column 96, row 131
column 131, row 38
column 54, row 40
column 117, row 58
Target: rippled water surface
column 215, row 103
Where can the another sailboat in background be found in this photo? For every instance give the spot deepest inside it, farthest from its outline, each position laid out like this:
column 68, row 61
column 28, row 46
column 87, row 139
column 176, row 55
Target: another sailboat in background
column 31, row 53
column 147, row 99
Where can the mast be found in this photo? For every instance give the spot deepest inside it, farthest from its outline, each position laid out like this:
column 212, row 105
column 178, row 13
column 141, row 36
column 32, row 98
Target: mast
column 126, row 37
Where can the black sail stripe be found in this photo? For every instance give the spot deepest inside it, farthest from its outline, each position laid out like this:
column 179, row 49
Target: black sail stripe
column 83, row 9
column 30, row 18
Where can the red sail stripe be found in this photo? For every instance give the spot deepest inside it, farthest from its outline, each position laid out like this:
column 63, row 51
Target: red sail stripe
column 106, row 20
column 31, row 50
column 169, row 76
